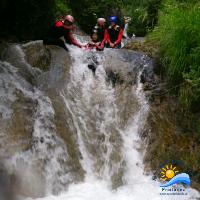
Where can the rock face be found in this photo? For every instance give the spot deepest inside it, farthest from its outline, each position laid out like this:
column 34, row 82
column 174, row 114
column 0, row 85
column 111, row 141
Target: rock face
column 37, row 56
column 60, row 121
column 38, row 131
column 24, row 69
column 171, row 133
column 21, row 69
column 123, row 67
column 36, row 125
column 7, row 184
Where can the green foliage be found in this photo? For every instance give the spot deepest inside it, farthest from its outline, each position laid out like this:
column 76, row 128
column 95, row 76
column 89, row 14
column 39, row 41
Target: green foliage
column 25, row 19
column 179, row 39
column 30, row 19
column 144, row 14
column 139, row 20
column 62, row 7
column 86, row 11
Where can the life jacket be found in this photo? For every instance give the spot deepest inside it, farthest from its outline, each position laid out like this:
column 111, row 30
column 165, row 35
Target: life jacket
column 100, row 32
column 113, row 33
column 57, row 30
column 59, row 23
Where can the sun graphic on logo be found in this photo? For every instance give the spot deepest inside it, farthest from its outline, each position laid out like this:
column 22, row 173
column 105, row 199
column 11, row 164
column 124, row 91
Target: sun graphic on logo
column 168, row 172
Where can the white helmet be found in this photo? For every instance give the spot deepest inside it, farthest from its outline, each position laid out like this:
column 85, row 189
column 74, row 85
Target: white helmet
column 101, row 20
column 69, row 18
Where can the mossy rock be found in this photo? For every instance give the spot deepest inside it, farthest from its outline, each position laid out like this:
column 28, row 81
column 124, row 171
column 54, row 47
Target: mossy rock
column 169, row 141
column 37, row 55
column 144, row 46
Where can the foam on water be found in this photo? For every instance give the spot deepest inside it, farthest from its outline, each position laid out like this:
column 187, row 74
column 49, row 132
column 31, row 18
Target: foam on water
column 86, row 90
column 98, row 190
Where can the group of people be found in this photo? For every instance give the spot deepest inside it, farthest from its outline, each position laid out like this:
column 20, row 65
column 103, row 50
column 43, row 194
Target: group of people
column 101, row 36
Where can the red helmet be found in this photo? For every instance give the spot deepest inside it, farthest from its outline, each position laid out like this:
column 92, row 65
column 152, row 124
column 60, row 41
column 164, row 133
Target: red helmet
column 69, row 18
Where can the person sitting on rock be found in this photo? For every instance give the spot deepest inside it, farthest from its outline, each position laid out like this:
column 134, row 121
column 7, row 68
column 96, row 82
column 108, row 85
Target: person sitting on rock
column 95, row 43
column 62, row 28
column 114, row 33
column 100, row 30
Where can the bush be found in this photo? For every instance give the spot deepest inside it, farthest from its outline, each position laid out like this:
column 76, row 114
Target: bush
column 62, row 8
column 179, row 39
column 29, row 19
column 25, row 19
column 86, row 12
column 144, row 14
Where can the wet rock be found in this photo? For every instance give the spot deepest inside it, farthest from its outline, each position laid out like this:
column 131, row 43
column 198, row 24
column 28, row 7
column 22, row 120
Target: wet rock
column 37, row 55
column 92, row 67
column 124, row 66
column 114, row 78
column 6, row 184
column 142, row 45
column 168, row 139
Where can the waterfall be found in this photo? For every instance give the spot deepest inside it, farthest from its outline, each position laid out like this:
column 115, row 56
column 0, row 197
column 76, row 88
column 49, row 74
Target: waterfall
column 101, row 157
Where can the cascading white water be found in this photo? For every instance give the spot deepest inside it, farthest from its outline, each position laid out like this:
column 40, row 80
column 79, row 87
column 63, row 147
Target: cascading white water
column 42, row 168
column 91, row 104
column 91, row 101
column 47, row 147
column 109, row 148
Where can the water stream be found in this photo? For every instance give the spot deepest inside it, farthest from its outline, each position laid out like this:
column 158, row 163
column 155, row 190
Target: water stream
column 67, row 133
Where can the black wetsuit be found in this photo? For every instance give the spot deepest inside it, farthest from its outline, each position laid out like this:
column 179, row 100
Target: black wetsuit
column 100, row 32
column 57, row 31
column 54, row 35
column 115, row 35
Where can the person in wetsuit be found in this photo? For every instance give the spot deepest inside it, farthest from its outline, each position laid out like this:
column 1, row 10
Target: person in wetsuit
column 100, row 30
column 114, row 33
column 62, row 28
column 95, row 43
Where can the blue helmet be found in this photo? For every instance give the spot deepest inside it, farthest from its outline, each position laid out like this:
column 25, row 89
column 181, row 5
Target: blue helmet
column 113, row 19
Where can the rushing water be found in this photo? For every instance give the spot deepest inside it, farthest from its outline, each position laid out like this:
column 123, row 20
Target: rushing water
column 77, row 135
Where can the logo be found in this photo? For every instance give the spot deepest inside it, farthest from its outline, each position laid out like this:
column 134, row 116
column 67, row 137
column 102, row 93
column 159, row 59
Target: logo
column 174, row 182
column 171, row 174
